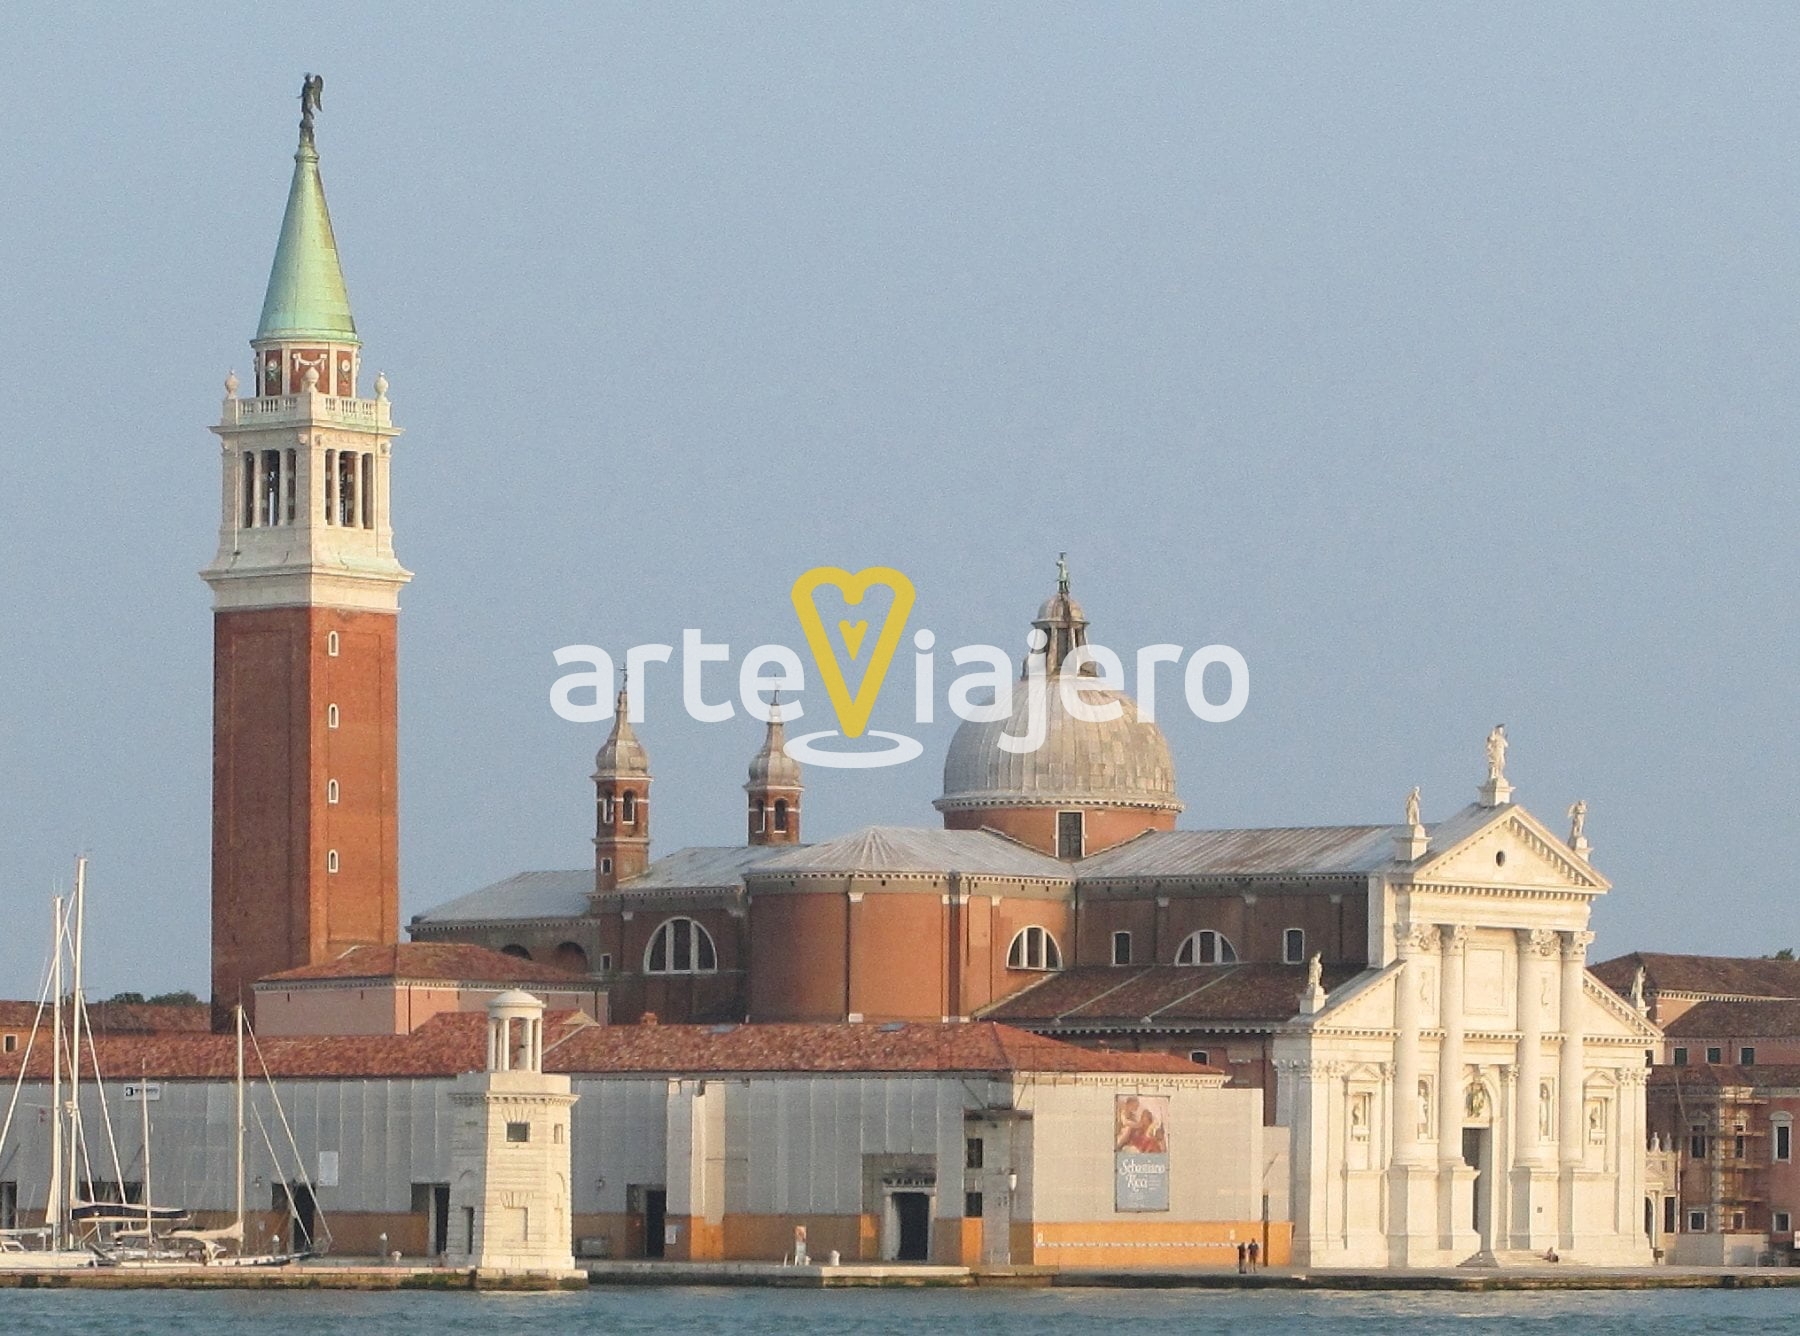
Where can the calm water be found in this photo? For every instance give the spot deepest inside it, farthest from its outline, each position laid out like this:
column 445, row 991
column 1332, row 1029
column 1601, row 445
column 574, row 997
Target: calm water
column 699, row 1312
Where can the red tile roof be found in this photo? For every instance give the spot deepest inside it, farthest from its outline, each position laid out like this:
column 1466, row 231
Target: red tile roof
column 455, row 1042
column 1723, row 976
column 1163, row 996
column 1763, row 1019
column 121, row 1017
column 981, row 1046
column 432, row 962
column 1711, row 1076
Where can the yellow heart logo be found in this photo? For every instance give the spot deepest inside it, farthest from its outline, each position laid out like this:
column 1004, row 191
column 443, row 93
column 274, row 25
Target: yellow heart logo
column 853, row 709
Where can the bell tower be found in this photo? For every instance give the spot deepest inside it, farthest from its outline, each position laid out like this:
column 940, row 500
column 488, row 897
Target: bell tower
column 305, row 595
column 774, row 789
column 621, row 803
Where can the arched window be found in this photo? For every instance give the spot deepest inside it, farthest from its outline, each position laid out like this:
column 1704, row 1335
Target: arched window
column 516, row 951
column 1206, row 947
column 606, row 810
column 629, row 806
column 331, row 790
column 1033, row 949
column 331, row 860
column 331, row 643
column 1293, row 946
column 331, row 716
column 570, row 956
column 781, row 814
column 756, row 816
column 681, row 946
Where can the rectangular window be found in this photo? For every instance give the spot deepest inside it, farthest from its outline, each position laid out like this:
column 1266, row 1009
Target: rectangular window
column 1715, row 1055
column 1784, row 1223
column 1696, row 1222
column 972, row 1205
column 1784, row 1141
column 1738, row 1146
column 1121, row 948
column 518, row 1132
column 1293, row 946
column 1697, row 1143
column 368, row 491
column 974, row 1151
column 1068, row 834
column 249, row 512
column 1200, row 1056
column 9, row 1205
column 1746, row 1057
column 1737, row 1221
column 1681, row 1057
column 1668, row 1215
column 11, row 1043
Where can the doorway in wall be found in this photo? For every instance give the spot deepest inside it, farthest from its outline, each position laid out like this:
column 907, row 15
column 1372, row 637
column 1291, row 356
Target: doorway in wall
column 912, row 1212
column 1476, row 1149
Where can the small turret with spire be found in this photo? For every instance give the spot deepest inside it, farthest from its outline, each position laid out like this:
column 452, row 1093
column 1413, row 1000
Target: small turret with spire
column 774, row 788
column 621, row 802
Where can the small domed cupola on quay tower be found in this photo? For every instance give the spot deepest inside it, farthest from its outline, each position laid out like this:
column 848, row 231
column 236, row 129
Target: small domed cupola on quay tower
column 621, row 802
column 774, row 789
column 306, row 592
column 1091, row 785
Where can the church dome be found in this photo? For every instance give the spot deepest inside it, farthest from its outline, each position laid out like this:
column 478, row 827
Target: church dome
column 1122, row 762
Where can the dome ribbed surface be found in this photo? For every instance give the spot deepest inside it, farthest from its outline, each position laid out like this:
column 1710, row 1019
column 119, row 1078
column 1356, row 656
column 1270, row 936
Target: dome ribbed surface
column 1122, row 762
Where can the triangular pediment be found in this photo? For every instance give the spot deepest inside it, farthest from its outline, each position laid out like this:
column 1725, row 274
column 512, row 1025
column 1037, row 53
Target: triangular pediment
column 1511, row 848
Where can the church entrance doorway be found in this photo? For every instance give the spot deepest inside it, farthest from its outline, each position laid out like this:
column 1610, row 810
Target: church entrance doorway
column 1477, row 1150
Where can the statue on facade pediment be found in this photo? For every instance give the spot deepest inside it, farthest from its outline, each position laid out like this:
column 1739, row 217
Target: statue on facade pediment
column 1412, row 806
column 1315, row 972
column 1496, row 752
column 1577, row 821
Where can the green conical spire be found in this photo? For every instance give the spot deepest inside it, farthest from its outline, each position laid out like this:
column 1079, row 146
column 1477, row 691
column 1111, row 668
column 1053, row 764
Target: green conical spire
column 306, row 297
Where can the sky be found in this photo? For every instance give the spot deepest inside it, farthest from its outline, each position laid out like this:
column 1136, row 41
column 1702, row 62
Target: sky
column 1438, row 358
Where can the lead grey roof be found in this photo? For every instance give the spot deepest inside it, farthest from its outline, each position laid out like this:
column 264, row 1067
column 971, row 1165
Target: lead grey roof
column 543, row 895
column 1277, row 850
column 913, row 849
column 1274, row 850
column 527, row 895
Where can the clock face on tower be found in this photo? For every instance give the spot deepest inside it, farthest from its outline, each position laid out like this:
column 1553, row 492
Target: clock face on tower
column 271, row 377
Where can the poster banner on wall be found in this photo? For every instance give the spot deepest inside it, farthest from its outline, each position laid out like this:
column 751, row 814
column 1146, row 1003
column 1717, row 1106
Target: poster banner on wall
column 1140, row 1152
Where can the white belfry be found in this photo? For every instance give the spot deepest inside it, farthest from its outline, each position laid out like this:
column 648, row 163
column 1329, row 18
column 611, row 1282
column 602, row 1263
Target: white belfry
column 509, row 1153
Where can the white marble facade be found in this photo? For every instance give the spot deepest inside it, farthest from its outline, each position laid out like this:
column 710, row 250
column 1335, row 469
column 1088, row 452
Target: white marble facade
column 1477, row 1094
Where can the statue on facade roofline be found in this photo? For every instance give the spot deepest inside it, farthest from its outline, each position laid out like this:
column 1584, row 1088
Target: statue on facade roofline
column 1412, row 806
column 1496, row 752
column 1577, row 821
column 1315, row 972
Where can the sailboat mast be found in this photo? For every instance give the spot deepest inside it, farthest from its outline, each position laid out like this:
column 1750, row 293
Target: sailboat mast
column 53, row 1210
column 144, row 1099
column 240, row 1126
column 77, row 1004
